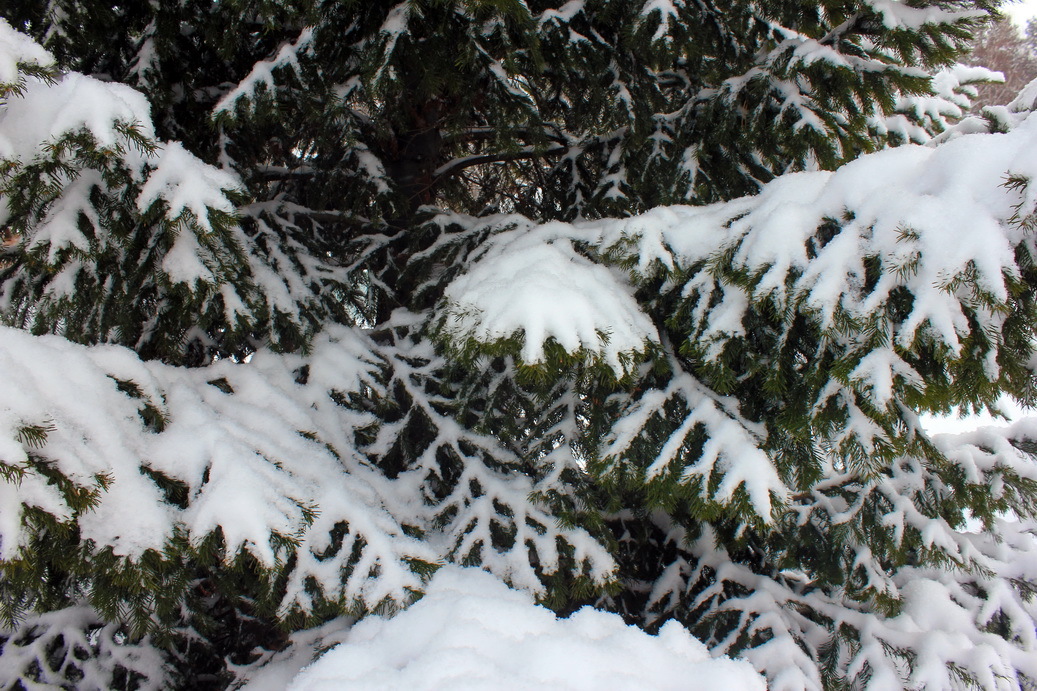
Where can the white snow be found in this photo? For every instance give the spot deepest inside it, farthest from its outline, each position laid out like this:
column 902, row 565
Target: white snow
column 537, row 284
column 59, row 229
column 15, row 48
column 186, row 185
column 252, row 462
column 733, row 445
column 898, row 14
column 33, row 124
column 262, row 73
column 930, row 215
column 256, row 461
column 470, row 631
column 918, row 116
column 184, row 182
column 46, row 112
column 667, row 14
column 938, row 219
column 935, row 220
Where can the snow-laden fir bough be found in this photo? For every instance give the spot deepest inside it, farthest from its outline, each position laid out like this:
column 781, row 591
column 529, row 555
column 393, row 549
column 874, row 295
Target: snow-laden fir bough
column 631, row 304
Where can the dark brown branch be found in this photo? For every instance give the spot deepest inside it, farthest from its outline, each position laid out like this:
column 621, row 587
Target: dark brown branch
column 335, row 217
column 274, row 173
column 476, row 134
column 459, row 164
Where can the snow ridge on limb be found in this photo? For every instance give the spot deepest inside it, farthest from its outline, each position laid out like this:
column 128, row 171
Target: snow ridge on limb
column 261, row 462
column 714, row 453
column 830, row 250
column 77, row 645
column 814, row 303
column 133, row 240
column 886, row 276
column 899, row 15
column 947, row 629
column 921, row 118
column 261, row 75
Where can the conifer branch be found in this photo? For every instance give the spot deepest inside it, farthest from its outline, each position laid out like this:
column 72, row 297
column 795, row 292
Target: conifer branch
column 459, row 164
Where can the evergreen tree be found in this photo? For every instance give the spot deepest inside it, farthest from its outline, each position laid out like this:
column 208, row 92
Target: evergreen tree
column 399, row 284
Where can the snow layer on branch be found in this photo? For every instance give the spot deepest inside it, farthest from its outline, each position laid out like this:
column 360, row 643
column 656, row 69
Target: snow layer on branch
column 732, row 449
column 986, row 452
column 1026, row 100
column 184, row 182
column 262, row 74
column 15, row 48
column 471, row 631
column 934, row 221
column 37, row 125
column 917, row 116
column 943, row 626
column 46, row 112
column 898, row 14
column 75, row 643
column 258, row 453
column 668, row 14
column 51, row 383
column 489, row 494
column 60, row 227
column 930, row 215
column 534, row 282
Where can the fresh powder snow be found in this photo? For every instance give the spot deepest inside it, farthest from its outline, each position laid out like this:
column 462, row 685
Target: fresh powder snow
column 470, row 631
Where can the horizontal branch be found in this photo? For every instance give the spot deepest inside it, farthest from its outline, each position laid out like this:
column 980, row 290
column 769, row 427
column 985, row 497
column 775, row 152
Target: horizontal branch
column 475, row 134
column 335, row 217
column 459, row 164
column 291, row 211
column 274, row 173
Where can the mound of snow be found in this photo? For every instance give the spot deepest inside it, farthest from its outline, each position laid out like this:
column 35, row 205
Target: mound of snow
column 537, row 284
column 471, row 631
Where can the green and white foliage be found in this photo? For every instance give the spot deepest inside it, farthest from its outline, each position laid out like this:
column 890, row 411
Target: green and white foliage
column 805, row 328
column 341, row 126
column 920, row 118
column 323, row 295
column 108, row 232
column 251, row 477
column 174, row 486
column 76, row 648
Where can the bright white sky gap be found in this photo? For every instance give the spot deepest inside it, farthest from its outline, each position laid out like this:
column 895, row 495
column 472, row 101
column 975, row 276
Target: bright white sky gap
column 1019, row 12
